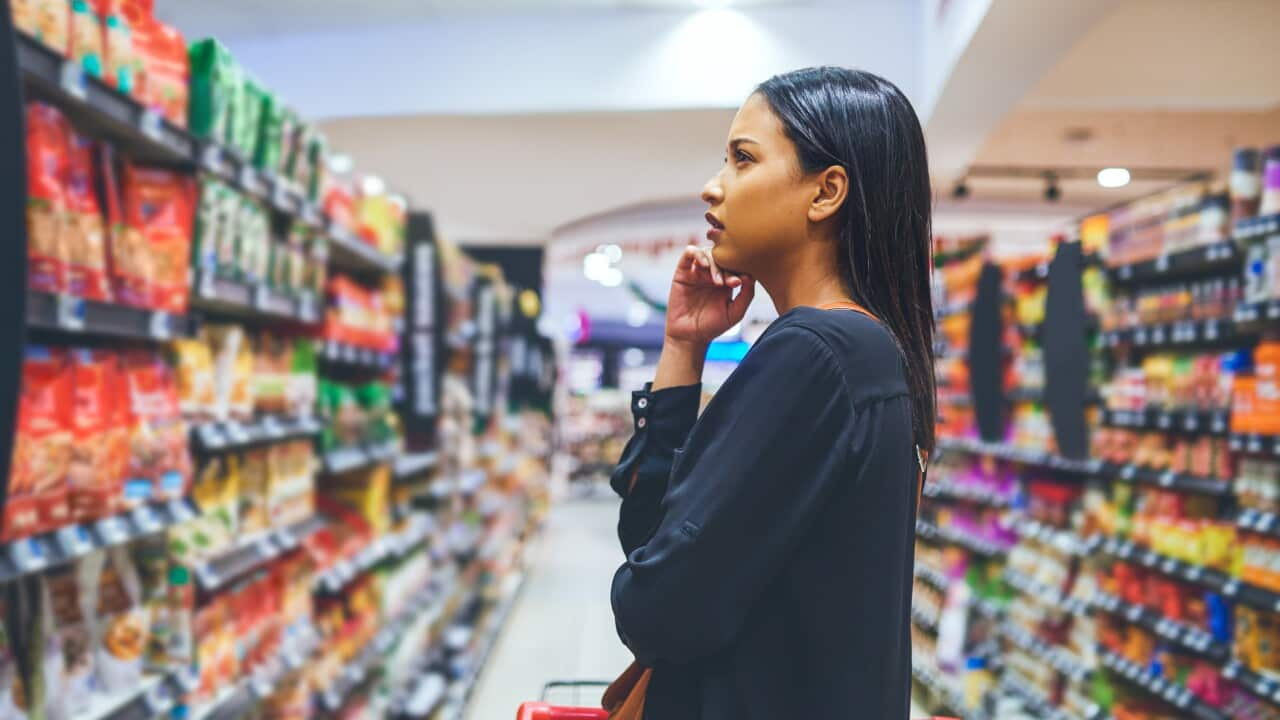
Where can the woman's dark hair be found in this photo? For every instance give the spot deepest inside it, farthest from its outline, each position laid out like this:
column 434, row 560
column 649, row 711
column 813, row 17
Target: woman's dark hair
column 864, row 123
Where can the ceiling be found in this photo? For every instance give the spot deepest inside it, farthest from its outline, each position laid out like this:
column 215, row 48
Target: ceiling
column 222, row 18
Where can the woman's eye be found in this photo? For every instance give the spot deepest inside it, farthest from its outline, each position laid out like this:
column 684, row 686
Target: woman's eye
column 742, row 157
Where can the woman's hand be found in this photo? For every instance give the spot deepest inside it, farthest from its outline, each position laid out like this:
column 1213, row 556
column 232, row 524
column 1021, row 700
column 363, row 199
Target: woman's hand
column 701, row 305
column 700, row 308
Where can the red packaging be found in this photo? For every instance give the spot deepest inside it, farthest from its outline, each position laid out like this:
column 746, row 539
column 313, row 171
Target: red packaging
column 161, row 51
column 47, row 137
column 158, row 465
column 152, row 254
column 93, row 480
column 86, row 244
column 37, row 495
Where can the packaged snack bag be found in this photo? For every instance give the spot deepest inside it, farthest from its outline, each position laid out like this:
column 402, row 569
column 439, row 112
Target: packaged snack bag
column 266, row 152
column 91, row 483
column 42, row 446
column 204, row 242
column 47, row 149
column 254, row 96
column 52, row 23
column 194, row 370
column 85, row 233
column 159, row 463
column 122, row 626
column 211, row 65
column 159, row 215
column 253, row 491
column 119, row 64
column 86, row 37
column 126, row 253
column 69, row 644
column 25, row 18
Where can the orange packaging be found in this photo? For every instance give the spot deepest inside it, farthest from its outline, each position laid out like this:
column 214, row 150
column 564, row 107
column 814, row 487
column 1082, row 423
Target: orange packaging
column 1266, row 364
column 154, row 250
column 158, row 463
column 37, row 495
column 119, row 64
column 85, row 233
column 1243, row 400
column 47, row 149
column 161, row 51
column 48, row 21
column 85, row 43
column 92, row 479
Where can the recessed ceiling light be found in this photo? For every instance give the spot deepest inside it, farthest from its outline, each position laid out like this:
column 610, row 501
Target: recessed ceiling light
column 1113, row 177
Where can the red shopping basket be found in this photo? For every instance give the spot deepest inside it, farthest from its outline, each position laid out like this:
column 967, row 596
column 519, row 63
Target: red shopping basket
column 545, row 711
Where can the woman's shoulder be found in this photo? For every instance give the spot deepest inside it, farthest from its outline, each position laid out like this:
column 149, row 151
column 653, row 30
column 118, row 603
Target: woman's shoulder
column 861, row 346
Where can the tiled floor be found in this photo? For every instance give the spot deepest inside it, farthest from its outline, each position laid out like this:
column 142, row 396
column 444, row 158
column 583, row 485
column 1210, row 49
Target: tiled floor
column 561, row 627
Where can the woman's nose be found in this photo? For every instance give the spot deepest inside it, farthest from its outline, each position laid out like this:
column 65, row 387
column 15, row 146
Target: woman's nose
column 712, row 193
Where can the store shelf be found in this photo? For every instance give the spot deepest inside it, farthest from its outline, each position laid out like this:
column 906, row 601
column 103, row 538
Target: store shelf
column 1167, row 479
column 947, row 691
column 1257, row 317
column 1259, row 685
column 359, row 457
column 1198, row 422
column 230, row 436
column 1045, row 594
column 153, row 697
column 1256, row 227
column 408, row 466
column 1038, row 704
column 349, row 356
column 216, row 572
column 932, row 576
column 923, row 620
column 36, row 553
column 1216, row 580
column 928, row 531
column 1058, row 658
column 240, row 698
column 77, row 316
column 1255, row 444
column 944, row 490
column 389, row 547
column 1216, row 259
column 1189, row 638
column 487, row 632
column 986, row 607
column 1266, row 523
column 348, row 252
column 1164, row 336
column 1171, row 692
column 425, row 695
column 213, row 294
column 100, row 110
column 1023, row 456
column 1062, row 540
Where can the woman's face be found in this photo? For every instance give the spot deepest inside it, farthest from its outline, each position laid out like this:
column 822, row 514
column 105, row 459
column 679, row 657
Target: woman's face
column 760, row 199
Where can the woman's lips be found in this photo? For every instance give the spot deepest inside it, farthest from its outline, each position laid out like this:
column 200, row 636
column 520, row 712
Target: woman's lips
column 717, row 228
column 714, row 234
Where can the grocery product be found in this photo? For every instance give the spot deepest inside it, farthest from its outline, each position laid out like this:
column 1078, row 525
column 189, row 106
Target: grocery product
column 152, row 255
column 93, row 475
column 37, row 495
column 84, row 234
column 48, row 21
column 69, row 660
column 119, row 63
column 159, row 464
column 47, row 157
column 86, row 37
column 121, row 623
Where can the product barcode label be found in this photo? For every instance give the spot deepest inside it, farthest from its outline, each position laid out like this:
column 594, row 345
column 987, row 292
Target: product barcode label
column 160, row 325
column 70, row 312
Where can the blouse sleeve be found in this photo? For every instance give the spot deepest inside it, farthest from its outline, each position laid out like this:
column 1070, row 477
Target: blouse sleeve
column 662, row 421
column 757, row 468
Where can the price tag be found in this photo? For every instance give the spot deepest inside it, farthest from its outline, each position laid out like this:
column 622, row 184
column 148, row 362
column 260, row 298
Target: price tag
column 70, row 312
column 1255, row 444
column 307, row 307
column 157, row 700
column 249, row 179
column 1162, row 264
column 113, row 530
column 181, row 511
column 280, row 195
column 1164, row 420
column 28, row 554
column 144, row 517
column 1157, row 335
column 1128, row 472
column 71, row 80
column 236, row 433
column 265, row 548
column 262, row 298
column 210, row 437
column 1133, row 612
column 1190, row 423
column 1273, row 311
column 1140, row 336
column 160, row 326
column 1125, row 272
column 1231, row 588
column 75, row 540
column 1167, row 478
column 271, row 428
column 348, row 353
column 1210, row 330
column 150, row 125
column 1193, row 573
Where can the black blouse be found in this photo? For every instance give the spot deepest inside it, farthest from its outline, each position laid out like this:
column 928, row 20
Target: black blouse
column 770, row 542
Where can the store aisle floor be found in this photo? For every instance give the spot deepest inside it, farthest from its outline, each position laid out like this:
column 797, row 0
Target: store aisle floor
column 561, row 627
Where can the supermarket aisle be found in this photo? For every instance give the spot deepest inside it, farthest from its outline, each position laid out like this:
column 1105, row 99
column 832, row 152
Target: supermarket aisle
column 562, row 626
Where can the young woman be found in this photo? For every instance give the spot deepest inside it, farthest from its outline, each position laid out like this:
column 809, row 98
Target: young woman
column 769, row 542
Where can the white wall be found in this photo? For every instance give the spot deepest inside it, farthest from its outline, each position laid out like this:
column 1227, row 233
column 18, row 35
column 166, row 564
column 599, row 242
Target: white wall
column 577, row 61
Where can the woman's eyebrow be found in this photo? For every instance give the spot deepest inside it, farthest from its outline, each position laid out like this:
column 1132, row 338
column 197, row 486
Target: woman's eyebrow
column 734, row 143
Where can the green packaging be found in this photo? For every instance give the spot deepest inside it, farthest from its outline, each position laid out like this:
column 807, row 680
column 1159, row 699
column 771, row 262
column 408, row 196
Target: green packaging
column 317, row 166
column 266, row 153
column 204, row 246
column 251, row 115
column 213, row 75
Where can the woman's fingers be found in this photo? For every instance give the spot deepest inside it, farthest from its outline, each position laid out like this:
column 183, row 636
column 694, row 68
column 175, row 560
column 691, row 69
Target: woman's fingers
column 716, row 275
column 738, row 307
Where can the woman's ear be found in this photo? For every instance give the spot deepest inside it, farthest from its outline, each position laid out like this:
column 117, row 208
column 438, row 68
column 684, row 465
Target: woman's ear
column 830, row 192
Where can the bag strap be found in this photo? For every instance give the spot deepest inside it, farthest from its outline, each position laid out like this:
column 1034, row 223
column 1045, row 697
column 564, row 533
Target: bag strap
column 922, row 459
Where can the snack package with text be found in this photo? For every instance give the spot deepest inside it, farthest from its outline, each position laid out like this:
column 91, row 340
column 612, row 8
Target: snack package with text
column 85, row 43
column 159, row 207
column 47, row 149
column 121, row 628
column 92, row 478
column 37, row 497
column 85, row 233
column 119, row 64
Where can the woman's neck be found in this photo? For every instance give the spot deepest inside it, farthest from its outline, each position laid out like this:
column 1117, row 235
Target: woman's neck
column 811, row 281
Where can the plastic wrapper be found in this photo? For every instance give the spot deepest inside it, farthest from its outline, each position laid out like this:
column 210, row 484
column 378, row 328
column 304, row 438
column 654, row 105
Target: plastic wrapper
column 37, row 496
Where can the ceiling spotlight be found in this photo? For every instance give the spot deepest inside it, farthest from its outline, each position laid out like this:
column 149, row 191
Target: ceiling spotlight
column 960, row 191
column 1113, row 177
column 1052, row 193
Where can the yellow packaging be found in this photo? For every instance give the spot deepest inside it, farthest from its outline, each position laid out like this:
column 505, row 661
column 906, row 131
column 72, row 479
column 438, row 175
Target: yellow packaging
column 369, row 495
column 253, row 492
column 52, row 23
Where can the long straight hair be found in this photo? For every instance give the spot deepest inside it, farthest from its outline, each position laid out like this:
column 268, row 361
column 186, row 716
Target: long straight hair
column 864, row 123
